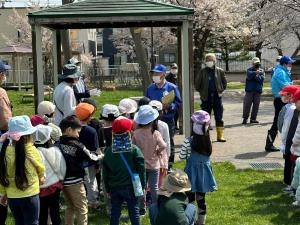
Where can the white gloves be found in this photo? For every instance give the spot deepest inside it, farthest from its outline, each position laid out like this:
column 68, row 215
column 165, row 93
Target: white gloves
column 95, row 92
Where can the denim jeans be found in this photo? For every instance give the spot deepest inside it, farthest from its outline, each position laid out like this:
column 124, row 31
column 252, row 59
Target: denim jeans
column 171, row 125
column 118, row 196
column 214, row 102
column 50, row 203
column 25, row 210
column 190, row 213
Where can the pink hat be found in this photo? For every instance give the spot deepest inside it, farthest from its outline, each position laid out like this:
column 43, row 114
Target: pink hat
column 201, row 122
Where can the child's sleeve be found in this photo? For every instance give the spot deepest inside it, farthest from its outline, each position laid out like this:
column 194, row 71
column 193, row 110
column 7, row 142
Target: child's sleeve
column 295, row 182
column 105, row 172
column 35, row 158
column 166, row 136
column 185, row 150
column 296, row 138
column 160, row 143
column 85, row 154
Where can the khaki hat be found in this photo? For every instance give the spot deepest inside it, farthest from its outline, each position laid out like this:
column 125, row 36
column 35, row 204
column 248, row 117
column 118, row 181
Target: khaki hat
column 177, row 181
column 255, row 60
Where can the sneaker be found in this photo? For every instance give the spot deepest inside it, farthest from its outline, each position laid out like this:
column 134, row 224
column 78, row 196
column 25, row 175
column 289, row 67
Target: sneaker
column 244, row 121
column 254, row 121
column 288, row 189
column 142, row 212
column 272, row 149
column 296, row 203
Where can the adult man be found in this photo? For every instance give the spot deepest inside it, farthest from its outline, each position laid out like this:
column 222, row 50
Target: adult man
column 159, row 89
column 211, row 82
column 254, row 84
column 280, row 79
column 5, row 114
column 64, row 98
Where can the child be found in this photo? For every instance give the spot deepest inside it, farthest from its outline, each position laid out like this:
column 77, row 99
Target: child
column 197, row 150
column 150, row 141
column 75, row 154
column 164, row 131
column 117, row 178
column 89, row 137
column 21, row 172
column 55, row 173
column 290, row 139
column 296, row 182
column 46, row 110
column 173, row 206
column 128, row 107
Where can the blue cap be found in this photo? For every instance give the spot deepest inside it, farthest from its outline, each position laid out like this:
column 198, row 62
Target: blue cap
column 159, row 68
column 4, row 67
column 286, row 60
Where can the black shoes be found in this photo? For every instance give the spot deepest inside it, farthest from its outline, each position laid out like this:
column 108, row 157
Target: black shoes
column 254, row 121
column 244, row 121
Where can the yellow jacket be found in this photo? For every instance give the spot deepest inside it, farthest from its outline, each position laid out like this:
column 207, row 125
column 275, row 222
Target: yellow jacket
column 33, row 172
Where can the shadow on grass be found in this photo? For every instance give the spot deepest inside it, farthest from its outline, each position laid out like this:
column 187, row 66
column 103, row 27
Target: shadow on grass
column 267, row 199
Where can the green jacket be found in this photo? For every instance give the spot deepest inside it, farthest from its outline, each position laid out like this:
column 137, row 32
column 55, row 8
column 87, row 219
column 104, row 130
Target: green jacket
column 115, row 173
column 201, row 82
column 172, row 210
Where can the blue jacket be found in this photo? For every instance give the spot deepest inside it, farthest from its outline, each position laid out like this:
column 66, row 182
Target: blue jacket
column 155, row 93
column 254, row 82
column 280, row 79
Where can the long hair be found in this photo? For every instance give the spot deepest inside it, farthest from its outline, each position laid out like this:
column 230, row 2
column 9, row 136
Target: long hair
column 202, row 143
column 153, row 125
column 21, row 179
column 3, row 163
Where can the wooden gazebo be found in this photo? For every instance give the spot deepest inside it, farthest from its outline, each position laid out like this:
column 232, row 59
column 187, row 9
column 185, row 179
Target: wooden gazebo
column 115, row 14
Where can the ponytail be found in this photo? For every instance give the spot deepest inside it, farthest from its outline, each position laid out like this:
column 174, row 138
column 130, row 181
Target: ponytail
column 3, row 169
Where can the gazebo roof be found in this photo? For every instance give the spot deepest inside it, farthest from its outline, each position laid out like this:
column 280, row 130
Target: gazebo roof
column 15, row 49
column 106, row 12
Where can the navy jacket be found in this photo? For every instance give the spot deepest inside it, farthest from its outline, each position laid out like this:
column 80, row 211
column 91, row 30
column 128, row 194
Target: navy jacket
column 254, row 82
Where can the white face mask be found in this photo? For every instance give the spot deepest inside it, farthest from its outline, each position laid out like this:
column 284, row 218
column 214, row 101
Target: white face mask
column 3, row 80
column 210, row 64
column 284, row 99
column 289, row 69
column 156, row 79
column 174, row 71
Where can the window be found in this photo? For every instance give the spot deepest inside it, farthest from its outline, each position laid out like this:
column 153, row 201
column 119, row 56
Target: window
column 169, row 57
column 99, row 42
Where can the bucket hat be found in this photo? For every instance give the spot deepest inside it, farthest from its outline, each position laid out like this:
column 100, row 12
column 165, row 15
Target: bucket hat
column 70, row 71
column 201, row 121
column 45, row 108
column 145, row 115
column 20, row 125
column 122, row 125
column 110, row 109
column 36, row 120
column 176, row 182
column 127, row 105
column 74, row 61
column 42, row 134
column 156, row 104
column 290, row 89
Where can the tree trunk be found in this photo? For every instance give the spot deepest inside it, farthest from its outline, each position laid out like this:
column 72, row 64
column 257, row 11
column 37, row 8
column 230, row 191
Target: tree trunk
column 65, row 39
column 141, row 55
column 295, row 53
column 279, row 50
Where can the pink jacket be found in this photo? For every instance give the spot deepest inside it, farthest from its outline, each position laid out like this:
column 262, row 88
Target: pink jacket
column 5, row 109
column 152, row 146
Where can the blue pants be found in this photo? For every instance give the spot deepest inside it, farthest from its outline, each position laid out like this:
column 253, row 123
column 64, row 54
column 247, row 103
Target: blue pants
column 25, row 210
column 214, row 102
column 190, row 213
column 118, row 196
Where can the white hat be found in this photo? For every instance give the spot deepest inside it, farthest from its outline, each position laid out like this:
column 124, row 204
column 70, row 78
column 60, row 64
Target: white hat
column 55, row 133
column 278, row 58
column 255, row 60
column 42, row 134
column 156, row 104
column 145, row 115
column 110, row 109
column 45, row 108
column 128, row 105
column 74, row 61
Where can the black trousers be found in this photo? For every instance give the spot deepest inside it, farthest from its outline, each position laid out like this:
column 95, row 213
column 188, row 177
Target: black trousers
column 50, row 203
column 3, row 214
column 288, row 169
column 278, row 104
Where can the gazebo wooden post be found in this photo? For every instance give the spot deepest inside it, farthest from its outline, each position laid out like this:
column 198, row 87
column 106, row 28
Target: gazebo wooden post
column 186, row 97
column 38, row 72
column 191, row 61
column 14, row 69
column 179, row 76
column 56, row 53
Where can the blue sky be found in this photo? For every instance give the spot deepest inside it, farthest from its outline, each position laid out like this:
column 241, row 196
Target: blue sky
column 24, row 3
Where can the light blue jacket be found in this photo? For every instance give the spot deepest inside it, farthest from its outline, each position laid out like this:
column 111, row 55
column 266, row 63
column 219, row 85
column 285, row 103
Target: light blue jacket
column 280, row 79
column 296, row 179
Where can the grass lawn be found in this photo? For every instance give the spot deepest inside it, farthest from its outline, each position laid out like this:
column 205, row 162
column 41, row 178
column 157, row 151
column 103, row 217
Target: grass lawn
column 239, row 85
column 245, row 197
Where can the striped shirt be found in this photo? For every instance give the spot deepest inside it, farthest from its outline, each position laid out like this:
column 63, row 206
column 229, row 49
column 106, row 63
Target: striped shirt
column 185, row 150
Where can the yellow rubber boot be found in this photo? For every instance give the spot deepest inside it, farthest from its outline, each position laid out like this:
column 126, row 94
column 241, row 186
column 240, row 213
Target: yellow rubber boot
column 220, row 134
